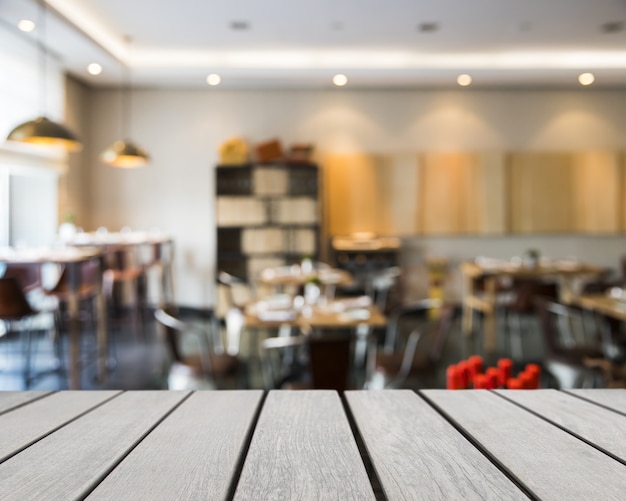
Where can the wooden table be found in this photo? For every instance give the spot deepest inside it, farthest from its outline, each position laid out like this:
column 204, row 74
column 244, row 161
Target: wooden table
column 160, row 247
column 564, row 272
column 601, row 303
column 72, row 259
column 395, row 444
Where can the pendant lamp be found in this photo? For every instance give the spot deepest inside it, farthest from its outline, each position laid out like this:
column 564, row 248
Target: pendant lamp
column 124, row 153
column 42, row 130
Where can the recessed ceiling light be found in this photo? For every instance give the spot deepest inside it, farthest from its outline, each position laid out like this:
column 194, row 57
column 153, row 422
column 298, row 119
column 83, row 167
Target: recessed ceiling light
column 340, row 80
column 586, row 78
column 239, row 25
column 26, row 25
column 213, row 79
column 428, row 27
column 464, row 80
column 94, row 69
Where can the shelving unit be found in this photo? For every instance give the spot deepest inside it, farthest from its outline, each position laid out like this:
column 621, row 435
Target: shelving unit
column 267, row 215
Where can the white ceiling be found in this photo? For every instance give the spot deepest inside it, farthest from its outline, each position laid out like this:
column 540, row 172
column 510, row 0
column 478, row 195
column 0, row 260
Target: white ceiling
column 303, row 43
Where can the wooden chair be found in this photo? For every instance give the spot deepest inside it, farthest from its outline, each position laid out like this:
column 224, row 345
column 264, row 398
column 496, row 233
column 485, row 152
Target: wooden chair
column 423, row 350
column 565, row 358
column 207, row 366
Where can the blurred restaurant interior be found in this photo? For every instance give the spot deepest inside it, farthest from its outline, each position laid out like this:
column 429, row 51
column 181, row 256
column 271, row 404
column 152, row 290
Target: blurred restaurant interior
column 329, row 194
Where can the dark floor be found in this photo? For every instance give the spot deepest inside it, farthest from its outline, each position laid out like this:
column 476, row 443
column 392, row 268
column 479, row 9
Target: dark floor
column 140, row 361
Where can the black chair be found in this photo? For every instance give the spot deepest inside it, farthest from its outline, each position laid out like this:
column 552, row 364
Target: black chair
column 207, row 366
column 420, row 359
column 565, row 358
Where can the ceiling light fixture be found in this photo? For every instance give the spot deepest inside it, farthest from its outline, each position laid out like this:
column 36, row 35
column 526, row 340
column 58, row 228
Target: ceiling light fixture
column 124, row 153
column 340, row 80
column 43, row 131
column 213, row 79
column 586, row 79
column 94, row 69
column 464, row 80
column 26, row 25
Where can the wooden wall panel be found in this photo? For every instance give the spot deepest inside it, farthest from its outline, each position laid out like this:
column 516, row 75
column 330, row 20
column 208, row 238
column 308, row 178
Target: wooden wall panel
column 461, row 193
column 597, row 191
column 564, row 192
column 541, row 192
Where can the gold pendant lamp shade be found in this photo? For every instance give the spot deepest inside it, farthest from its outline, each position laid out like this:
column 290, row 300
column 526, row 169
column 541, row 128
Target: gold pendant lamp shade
column 124, row 154
column 43, row 131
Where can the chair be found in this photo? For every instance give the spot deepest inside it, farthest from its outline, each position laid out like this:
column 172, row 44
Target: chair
column 233, row 315
column 207, row 366
column 522, row 306
column 565, row 357
column 14, row 307
column 423, row 350
column 121, row 271
column 315, row 361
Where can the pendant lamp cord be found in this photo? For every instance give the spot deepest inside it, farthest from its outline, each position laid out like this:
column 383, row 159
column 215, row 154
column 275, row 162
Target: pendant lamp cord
column 126, row 97
column 43, row 57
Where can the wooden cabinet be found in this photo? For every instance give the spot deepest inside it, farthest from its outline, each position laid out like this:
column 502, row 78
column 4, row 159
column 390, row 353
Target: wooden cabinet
column 267, row 215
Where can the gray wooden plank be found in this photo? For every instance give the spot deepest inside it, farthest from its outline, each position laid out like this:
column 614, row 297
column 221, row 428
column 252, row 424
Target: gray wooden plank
column 25, row 425
column 303, row 448
column 70, row 462
column 604, row 428
column 417, row 454
column 614, row 398
column 193, row 454
column 550, row 462
column 12, row 399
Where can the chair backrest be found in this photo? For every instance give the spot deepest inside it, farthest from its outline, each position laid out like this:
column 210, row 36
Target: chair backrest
column 556, row 325
column 13, row 303
column 175, row 329
column 27, row 275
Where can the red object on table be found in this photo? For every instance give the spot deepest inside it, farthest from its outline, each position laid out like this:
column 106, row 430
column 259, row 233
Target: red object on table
column 527, row 380
column 493, row 378
column 475, row 363
column 453, row 378
column 535, row 371
column 481, row 382
column 505, row 368
column 513, row 384
column 465, row 374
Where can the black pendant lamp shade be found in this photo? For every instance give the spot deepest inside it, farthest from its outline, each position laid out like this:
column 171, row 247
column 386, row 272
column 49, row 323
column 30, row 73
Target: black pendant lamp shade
column 124, row 154
column 45, row 132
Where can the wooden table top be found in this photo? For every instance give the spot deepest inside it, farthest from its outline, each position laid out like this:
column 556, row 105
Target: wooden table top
column 396, row 444
column 551, row 268
column 612, row 307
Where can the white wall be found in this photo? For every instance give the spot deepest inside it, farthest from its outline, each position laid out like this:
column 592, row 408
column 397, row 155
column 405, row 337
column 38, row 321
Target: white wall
column 182, row 130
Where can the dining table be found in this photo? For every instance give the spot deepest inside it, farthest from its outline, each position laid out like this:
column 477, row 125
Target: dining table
column 154, row 250
column 72, row 259
column 313, row 444
column 566, row 272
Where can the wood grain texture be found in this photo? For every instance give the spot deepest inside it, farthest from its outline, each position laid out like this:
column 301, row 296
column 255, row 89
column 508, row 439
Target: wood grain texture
column 550, row 462
column 603, row 428
column 417, row 454
column 613, row 398
column 193, row 454
column 29, row 423
column 303, row 448
column 68, row 463
column 11, row 399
